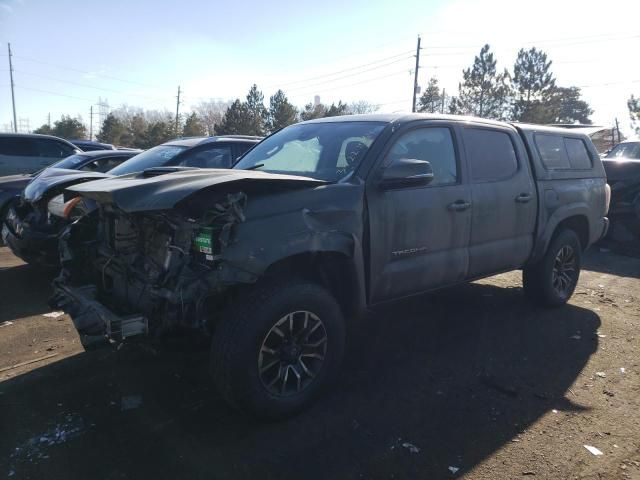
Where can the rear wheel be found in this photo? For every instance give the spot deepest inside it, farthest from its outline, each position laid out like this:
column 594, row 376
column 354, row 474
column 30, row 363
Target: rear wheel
column 551, row 281
column 277, row 347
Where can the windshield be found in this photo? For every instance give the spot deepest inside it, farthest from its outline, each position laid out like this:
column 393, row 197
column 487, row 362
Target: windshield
column 326, row 151
column 71, row 162
column 154, row 157
column 625, row 150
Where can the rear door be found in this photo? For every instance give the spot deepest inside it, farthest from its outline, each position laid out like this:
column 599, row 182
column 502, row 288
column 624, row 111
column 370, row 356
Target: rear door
column 504, row 200
column 419, row 235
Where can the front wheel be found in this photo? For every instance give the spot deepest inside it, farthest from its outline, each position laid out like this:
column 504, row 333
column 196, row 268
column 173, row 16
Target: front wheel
column 551, row 281
column 277, row 347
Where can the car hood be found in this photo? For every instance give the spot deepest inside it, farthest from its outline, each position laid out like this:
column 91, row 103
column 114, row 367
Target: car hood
column 621, row 169
column 138, row 192
column 56, row 177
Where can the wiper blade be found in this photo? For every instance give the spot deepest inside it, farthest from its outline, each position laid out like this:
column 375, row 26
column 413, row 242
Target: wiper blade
column 253, row 167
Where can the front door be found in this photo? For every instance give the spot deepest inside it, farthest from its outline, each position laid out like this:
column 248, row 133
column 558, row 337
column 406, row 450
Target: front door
column 419, row 235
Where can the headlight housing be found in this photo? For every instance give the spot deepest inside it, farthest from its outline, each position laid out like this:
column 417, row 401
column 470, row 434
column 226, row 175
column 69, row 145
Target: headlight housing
column 59, row 208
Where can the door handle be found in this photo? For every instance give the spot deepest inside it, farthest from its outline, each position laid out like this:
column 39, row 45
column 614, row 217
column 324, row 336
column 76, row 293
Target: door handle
column 459, row 206
column 523, row 198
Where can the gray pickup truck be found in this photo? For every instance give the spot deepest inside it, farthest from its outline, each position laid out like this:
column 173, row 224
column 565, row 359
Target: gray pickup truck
column 319, row 223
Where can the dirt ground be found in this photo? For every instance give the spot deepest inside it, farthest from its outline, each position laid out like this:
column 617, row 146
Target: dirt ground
column 472, row 382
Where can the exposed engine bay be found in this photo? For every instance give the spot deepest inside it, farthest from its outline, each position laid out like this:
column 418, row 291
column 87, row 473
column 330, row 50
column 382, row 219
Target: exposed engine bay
column 154, row 270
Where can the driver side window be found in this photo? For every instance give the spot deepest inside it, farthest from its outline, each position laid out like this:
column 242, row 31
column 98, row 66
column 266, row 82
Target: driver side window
column 433, row 144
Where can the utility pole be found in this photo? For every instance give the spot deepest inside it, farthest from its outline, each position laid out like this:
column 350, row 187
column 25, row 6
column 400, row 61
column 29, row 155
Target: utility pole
column 13, row 97
column 444, row 99
column 177, row 110
column 49, row 119
column 91, row 123
column 415, row 77
column 618, row 129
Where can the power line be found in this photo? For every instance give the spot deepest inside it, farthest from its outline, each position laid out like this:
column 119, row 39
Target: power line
column 340, row 71
column 339, row 87
column 78, row 84
column 53, row 93
column 73, row 69
column 347, row 76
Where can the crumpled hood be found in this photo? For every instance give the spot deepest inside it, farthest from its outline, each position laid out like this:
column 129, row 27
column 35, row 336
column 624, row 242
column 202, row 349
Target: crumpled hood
column 56, row 177
column 138, row 192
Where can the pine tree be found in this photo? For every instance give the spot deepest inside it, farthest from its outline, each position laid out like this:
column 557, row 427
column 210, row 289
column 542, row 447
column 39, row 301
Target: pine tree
column 68, row 127
column 256, row 111
column 234, row 121
column 634, row 113
column 567, row 106
column 113, row 130
column 533, row 85
column 193, row 127
column 483, row 91
column 281, row 112
column 431, row 100
column 44, row 129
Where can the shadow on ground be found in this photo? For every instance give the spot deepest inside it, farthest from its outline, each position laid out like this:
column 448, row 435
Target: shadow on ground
column 611, row 263
column 457, row 374
column 24, row 291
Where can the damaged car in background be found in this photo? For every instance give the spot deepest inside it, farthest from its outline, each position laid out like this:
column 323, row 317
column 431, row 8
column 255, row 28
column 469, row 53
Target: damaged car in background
column 34, row 221
column 318, row 223
column 622, row 165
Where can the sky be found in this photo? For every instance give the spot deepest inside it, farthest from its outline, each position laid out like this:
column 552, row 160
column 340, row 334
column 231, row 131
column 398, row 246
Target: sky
column 68, row 54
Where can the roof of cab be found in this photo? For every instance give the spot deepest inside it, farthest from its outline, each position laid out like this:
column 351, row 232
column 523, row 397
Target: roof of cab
column 404, row 118
column 193, row 141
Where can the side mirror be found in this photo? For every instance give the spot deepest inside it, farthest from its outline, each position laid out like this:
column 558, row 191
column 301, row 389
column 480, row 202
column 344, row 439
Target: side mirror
column 406, row 172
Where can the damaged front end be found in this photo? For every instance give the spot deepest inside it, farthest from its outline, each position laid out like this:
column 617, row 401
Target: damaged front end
column 150, row 272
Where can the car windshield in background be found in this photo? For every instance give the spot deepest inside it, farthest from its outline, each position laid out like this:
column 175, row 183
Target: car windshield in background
column 154, row 157
column 326, row 151
column 625, row 150
column 70, row 162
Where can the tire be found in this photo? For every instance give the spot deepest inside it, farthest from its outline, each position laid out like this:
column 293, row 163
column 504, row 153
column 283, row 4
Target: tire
column 246, row 343
column 551, row 281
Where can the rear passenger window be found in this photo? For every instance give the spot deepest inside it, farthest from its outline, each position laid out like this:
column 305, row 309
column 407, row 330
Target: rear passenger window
column 433, row 144
column 491, row 154
column 562, row 153
column 53, row 149
column 579, row 157
column 552, row 152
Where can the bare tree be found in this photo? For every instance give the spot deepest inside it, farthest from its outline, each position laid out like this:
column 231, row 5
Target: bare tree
column 362, row 106
column 211, row 112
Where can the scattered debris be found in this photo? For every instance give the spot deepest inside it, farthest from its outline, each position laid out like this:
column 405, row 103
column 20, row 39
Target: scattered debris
column 593, row 450
column 601, row 374
column 608, row 393
column 554, row 410
column 602, row 336
column 53, row 314
column 411, row 447
column 528, row 472
column 22, row 364
column 6, row 324
column 454, row 470
column 131, row 402
column 71, row 427
column 575, row 337
column 622, row 370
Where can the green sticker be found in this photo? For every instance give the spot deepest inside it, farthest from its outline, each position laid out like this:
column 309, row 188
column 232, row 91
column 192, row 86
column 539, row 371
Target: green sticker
column 203, row 241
